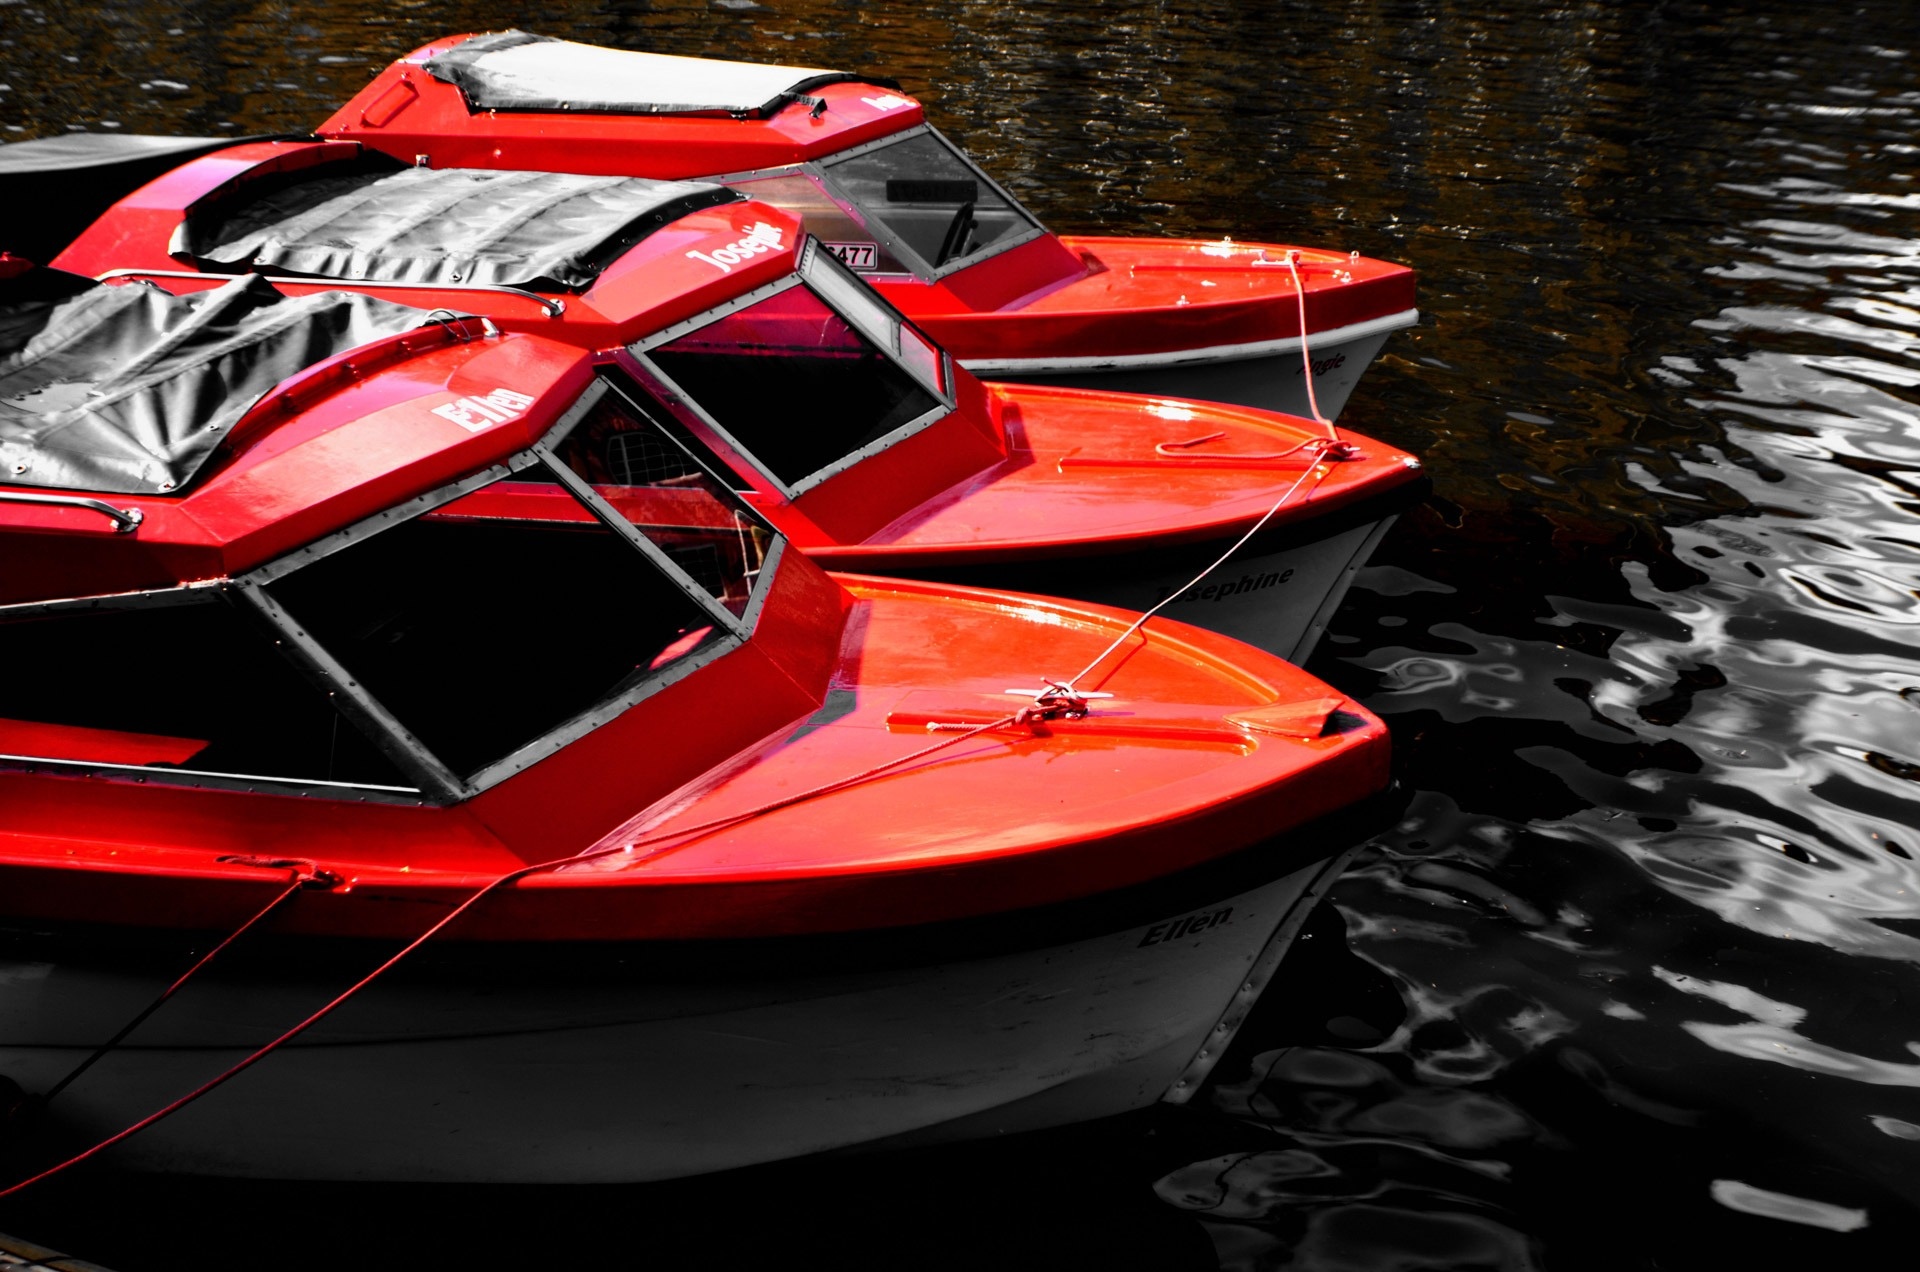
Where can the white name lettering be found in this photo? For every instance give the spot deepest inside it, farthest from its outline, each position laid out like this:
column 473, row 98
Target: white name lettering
column 761, row 238
column 886, row 101
column 478, row 413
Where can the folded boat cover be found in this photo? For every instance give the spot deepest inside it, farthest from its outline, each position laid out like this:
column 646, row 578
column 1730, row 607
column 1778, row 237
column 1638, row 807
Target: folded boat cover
column 553, row 231
column 128, row 390
column 512, row 70
column 54, row 187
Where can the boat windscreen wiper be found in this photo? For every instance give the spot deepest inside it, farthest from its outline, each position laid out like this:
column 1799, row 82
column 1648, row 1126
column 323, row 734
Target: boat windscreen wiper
column 959, row 231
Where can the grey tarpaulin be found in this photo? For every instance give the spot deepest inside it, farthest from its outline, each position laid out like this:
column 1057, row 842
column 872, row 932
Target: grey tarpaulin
column 128, row 390
column 52, row 188
column 547, row 230
column 512, row 70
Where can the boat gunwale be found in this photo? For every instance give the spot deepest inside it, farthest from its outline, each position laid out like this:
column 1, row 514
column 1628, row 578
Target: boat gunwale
column 1208, row 355
column 1098, row 559
column 795, row 955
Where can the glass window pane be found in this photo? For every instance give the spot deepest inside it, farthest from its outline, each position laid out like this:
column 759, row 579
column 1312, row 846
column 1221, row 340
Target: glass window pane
column 492, row 620
column 643, row 463
column 855, row 299
column 199, row 687
column 794, row 383
column 839, row 287
column 920, row 354
column 930, row 197
column 800, row 195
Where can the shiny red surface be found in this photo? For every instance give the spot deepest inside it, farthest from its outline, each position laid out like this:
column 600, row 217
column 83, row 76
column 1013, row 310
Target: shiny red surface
column 1207, row 746
column 1146, row 296
column 1084, row 474
column 355, row 446
column 1015, row 472
column 99, row 746
column 1051, row 298
column 1183, row 765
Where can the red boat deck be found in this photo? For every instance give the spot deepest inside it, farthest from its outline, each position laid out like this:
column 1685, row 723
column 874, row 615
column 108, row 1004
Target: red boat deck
column 405, row 528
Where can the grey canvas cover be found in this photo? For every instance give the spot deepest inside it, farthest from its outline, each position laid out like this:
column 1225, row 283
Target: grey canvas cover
column 128, row 389
column 52, row 188
column 514, row 70
column 553, row 231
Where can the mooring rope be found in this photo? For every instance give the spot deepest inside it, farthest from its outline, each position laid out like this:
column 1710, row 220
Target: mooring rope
column 1306, row 357
column 1068, row 685
column 305, row 875
column 1045, row 705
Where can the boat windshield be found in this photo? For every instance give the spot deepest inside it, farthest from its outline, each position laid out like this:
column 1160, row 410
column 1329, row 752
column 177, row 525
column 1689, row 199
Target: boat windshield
column 910, row 203
column 436, row 654
column 187, row 684
column 931, row 199
column 807, row 376
column 426, row 615
column 663, row 480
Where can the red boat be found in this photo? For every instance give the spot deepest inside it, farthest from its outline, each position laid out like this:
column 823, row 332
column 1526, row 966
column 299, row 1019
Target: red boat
column 727, row 343
column 855, row 158
column 755, row 861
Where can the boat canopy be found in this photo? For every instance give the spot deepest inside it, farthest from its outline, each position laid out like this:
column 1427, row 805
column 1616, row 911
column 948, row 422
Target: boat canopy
column 54, row 187
column 551, row 231
column 128, row 389
column 515, row 70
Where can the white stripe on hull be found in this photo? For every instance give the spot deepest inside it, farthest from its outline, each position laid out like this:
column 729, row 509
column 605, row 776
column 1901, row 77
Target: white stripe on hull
column 1279, row 601
column 564, row 1082
column 1268, row 374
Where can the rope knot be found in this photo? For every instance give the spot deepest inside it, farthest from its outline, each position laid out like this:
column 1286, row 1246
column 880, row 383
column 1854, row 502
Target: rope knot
column 305, row 873
column 1055, row 702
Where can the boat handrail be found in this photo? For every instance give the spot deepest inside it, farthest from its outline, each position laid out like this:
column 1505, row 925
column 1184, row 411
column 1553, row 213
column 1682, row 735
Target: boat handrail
column 552, row 304
column 125, row 520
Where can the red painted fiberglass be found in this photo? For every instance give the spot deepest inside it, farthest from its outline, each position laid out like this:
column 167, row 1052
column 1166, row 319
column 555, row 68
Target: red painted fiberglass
column 1010, row 475
column 1034, row 304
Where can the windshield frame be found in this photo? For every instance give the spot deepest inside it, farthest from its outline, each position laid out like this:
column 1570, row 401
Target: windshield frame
column 434, row 782
column 438, row 781
column 231, row 592
column 917, row 265
column 815, row 260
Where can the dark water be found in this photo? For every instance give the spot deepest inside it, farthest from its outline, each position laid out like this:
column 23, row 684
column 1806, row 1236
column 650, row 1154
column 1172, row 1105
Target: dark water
column 1634, row 985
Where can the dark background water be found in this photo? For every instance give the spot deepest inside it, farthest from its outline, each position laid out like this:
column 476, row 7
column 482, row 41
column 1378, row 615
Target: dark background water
column 1634, row 984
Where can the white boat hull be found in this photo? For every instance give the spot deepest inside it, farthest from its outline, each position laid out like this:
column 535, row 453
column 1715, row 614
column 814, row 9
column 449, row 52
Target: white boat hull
column 1279, row 601
column 632, row 1078
column 1270, row 375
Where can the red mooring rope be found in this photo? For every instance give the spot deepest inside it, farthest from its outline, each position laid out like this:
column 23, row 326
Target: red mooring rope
column 302, row 879
column 1047, row 705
